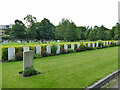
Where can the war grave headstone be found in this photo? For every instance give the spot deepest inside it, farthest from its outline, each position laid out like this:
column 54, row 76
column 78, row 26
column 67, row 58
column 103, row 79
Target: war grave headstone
column 11, row 53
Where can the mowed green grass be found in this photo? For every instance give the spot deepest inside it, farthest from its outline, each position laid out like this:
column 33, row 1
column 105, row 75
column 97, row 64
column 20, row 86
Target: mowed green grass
column 75, row 70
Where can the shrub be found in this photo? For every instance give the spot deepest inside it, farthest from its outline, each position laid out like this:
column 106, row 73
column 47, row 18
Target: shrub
column 63, row 51
column 69, row 45
column 54, row 48
column 82, row 47
column 19, row 55
column 78, row 49
column 61, row 46
column 99, row 43
column 36, row 56
column 29, row 71
column 32, row 48
column 70, row 50
column 4, row 53
column 75, row 46
column 89, row 48
column 44, row 54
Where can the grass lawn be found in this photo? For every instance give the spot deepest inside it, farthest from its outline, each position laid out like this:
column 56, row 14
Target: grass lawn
column 75, row 70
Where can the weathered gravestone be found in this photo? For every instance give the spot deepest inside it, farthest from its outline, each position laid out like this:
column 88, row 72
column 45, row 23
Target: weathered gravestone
column 27, row 59
column 93, row 44
column 58, row 49
column 11, row 53
column 78, row 45
column 48, row 49
column 26, row 48
column 66, row 47
column 38, row 49
column 72, row 46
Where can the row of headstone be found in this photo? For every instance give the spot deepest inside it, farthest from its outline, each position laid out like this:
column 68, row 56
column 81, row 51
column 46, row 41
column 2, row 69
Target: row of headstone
column 5, row 42
column 11, row 51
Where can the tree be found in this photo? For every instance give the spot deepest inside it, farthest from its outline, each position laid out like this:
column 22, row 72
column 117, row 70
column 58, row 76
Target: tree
column 81, row 32
column 8, row 30
column 66, row 30
column 18, row 30
column 31, row 27
column 92, row 35
column 45, row 30
column 101, row 32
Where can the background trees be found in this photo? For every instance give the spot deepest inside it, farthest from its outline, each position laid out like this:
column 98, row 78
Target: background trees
column 45, row 30
column 66, row 30
column 18, row 30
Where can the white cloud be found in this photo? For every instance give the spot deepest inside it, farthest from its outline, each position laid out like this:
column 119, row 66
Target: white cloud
column 82, row 12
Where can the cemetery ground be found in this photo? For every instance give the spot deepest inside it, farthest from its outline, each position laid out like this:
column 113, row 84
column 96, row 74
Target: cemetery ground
column 74, row 70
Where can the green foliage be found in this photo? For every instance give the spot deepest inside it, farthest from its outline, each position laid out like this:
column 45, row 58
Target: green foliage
column 19, row 56
column 29, row 71
column 36, row 56
column 78, row 49
column 33, row 48
column 66, row 30
column 53, row 48
column 63, row 51
column 5, row 54
column 6, row 37
column 82, row 47
column 70, row 50
column 45, row 30
column 100, row 43
column 18, row 30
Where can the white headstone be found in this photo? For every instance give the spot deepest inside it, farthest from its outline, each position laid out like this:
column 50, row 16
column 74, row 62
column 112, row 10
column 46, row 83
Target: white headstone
column 58, row 41
column 66, row 47
column 26, row 48
column 93, row 44
column 38, row 49
column 27, row 59
column 103, row 43
column 107, row 42
column 58, row 49
column 78, row 45
column 48, row 49
column 11, row 53
column 72, row 46
column 5, row 42
column 88, row 44
column 117, row 42
column 96, row 44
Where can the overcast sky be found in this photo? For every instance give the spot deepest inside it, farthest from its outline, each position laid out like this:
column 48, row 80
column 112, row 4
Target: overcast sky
column 81, row 12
